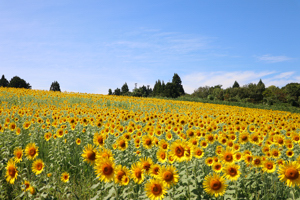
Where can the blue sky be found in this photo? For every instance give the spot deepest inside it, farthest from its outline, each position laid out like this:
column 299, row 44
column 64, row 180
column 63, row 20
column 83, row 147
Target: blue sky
column 91, row 46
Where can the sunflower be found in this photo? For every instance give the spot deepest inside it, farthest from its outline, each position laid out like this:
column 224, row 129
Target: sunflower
column 99, row 139
column 89, row 154
column 154, row 170
column 289, row 173
column 215, row 185
column 120, row 172
column 137, row 173
column 31, row 151
column 155, row 189
column 217, row 167
column 26, row 185
column 177, row 150
column 269, row 166
column 169, row 136
column 146, row 164
column 257, row 161
column 209, row 161
column 125, row 180
column 169, row 175
column 38, row 166
column 48, row 136
column 198, row 152
column 60, row 132
column 231, row 172
column 65, row 177
column 31, row 190
column 105, row 170
column 12, row 126
column 289, row 153
column 203, row 144
column 148, row 141
column 78, row 141
column 18, row 152
column 244, row 137
column 11, row 171
column 161, row 155
column 275, row 153
column 227, row 156
column 163, row 144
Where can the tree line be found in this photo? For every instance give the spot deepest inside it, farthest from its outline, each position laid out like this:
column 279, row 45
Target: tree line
column 172, row 89
column 17, row 82
column 253, row 93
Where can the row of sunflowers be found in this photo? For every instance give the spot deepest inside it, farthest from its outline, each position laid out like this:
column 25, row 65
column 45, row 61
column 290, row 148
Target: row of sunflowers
column 87, row 146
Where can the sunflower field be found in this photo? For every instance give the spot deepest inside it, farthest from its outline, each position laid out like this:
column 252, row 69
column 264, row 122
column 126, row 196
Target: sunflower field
column 87, row 146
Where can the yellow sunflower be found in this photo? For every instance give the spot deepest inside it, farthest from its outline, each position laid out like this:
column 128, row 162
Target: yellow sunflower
column 99, row 139
column 161, row 155
column 65, row 177
column 154, row 170
column 217, row 167
column 38, row 166
column 146, row 164
column 120, row 172
column 148, row 141
column 122, row 143
column 11, row 171
column 289, row 173
column 155, row 189
column 169, row 175
column 231, row 172
column 198, row 152
column 105, row 170
column 137, row 173
column 177, row 150
column 18, row 152
column 78, row 141
column 31, row 151
column 269, row 166
column 215, row 185
column 227, row 156
column 26, row 185
column 89, row 154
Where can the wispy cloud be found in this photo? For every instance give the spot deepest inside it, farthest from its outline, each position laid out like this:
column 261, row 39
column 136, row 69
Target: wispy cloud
column 273, row 59
column 192, row 81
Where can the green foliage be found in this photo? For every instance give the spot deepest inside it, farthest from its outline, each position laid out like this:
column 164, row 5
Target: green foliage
column 3, row 81
column 124, row 89
column 55, row 86
column 236, row 84
column 117, row 91
column 17, row 82
column 110, row 92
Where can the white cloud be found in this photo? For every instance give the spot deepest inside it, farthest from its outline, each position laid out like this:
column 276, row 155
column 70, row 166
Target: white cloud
column 273, row 59
column 191, row 82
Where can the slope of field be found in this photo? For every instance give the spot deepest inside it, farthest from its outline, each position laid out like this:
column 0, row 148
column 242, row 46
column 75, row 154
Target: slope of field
column 86, row 146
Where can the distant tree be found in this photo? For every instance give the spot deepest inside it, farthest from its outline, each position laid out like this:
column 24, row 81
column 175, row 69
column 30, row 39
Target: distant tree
column 55, row 86
column 170, row 90
column 236, row 85
column 117, row 91
column 124, row 89
column 178, row 84
column 110, row 92
column 17, row 82
column 293, row 93
column 3, row 81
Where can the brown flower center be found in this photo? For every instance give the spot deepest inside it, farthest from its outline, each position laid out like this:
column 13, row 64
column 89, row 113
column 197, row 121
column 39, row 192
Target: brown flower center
column 39, row 166
column 138, row 174
column 179, row 151
column 156, row 189
column 168, row 176
column 12, row 171
column 232, row 171
column 91, row 155
column 32, row 152
column 228, row 157
column 148, row 142
column 291, row 173
column 107, row 169
column 215, row 184
column 269, row 166
column 122, row 143
column 120, row 175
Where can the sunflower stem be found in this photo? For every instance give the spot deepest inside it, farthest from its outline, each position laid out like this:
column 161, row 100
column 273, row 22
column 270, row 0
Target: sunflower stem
column 116, row 190
column 187, row 176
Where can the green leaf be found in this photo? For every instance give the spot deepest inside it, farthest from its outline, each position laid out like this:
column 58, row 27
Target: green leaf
column 95, row 185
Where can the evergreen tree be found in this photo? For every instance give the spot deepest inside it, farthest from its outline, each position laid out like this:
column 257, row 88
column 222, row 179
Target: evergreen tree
column 3, row 81
column 55, row 86
column 117, row 91
column 236, row 85
column 124, row 89
column 177, row 83
column 110, row 92
column 170, row 90
column 17, row 82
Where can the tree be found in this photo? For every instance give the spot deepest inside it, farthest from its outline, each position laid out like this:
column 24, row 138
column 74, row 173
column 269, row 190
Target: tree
column 110, row 92
column 55, row 86
column 177, row 83
column 117, row 91
column 17, row 82
column 124, row 89
column 3, row 82
column 170, row 90
column 236, row 85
